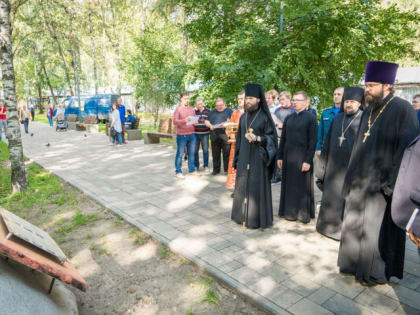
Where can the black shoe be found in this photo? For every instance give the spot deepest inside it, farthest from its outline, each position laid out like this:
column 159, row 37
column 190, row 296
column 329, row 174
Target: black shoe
column 232, row 195
column 215, row 173
column 275, row 181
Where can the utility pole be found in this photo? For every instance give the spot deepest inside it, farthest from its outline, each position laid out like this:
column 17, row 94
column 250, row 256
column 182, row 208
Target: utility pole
column 77, row 81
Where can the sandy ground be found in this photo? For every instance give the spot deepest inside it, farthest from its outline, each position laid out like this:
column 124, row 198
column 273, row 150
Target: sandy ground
column 128, row 272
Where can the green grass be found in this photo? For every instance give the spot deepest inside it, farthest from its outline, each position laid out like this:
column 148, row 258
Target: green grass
column 211, row 296
column 118, row 220
column 44, row 189
column 41, row 117
column 207, row 282
column 138, row 237
column 165, row 252
column 77, row 220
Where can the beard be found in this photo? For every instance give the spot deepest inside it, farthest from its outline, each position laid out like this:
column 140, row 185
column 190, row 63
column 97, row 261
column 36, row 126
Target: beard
column 374, row 101
column 351, row 111
column 251, row 107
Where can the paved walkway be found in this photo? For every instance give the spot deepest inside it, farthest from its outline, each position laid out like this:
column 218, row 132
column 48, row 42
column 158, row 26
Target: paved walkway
column 288, row 268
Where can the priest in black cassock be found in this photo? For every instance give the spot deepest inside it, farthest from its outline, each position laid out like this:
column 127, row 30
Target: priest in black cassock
column 295, row 159
column 334, row 160
column 256, row 146
column 372, row 246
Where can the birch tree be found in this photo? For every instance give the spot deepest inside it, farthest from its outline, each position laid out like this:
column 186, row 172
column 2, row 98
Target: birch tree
column 19, row 178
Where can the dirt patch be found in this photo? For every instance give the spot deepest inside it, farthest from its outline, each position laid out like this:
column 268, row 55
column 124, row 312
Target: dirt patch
column 127, row 271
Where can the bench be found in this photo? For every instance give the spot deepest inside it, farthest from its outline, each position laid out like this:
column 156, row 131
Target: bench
column 166, row 130
column 154, row 137
column 88, row 124
column 135, row 133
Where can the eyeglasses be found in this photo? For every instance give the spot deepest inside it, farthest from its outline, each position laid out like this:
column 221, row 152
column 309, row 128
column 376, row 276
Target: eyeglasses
column 371, row 85
column 294, row 101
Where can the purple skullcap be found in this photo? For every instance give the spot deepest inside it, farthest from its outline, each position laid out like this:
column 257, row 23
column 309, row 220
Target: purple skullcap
column 381, row 71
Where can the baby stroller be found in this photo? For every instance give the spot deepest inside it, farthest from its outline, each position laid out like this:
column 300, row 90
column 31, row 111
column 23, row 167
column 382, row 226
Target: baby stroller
column 61, row 125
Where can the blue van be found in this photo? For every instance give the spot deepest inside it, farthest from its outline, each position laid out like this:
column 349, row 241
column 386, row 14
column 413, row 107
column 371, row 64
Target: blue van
column 71, row 104
column 100, row 105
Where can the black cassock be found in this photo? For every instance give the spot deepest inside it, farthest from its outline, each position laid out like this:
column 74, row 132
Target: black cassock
column 333, row 163
column 372, row 247
column 255, row 186
column 297, row 145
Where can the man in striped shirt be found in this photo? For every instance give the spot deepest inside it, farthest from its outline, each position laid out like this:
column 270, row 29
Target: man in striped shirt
column 202, row 134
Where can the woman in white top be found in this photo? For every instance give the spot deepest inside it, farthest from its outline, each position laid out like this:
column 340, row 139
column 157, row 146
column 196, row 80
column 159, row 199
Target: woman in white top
column 116, row 124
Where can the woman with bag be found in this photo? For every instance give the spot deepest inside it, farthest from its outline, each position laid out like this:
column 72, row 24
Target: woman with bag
column 116, row 128
column 24, row 115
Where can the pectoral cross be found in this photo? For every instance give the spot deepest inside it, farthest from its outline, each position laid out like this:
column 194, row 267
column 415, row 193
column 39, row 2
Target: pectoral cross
column 341, row 139
column 367, row 134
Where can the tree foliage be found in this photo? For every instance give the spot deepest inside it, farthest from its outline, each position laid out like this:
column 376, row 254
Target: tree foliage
column 160, row 46
column 322, row 44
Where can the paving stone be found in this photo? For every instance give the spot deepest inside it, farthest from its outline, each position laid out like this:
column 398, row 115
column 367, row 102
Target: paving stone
column 230, row 266
column 221, row 245
column 381, row 303
column 216, row 259
column 148, row 220
column 283, row 296
column 405, row 295
column 305, row 306
column 339, row 304
column 412, row 268
column 410, row 281
column 245, row 275
column 177, row 222
column 264, row 286
column 321, row 295
column 231, row 251
column 301, row 285
column 276, row 272
column 186, row 228
column 345, row 285
column 405, row 310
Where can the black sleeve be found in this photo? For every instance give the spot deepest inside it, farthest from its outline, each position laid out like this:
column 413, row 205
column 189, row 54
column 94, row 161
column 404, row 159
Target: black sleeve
column 312, row 131
column 268, row 142
column 408, row 131
column 237, row 144
column 280, row 152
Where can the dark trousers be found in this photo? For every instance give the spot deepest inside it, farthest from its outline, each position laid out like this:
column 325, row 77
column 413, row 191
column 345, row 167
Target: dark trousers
column 219, row 145
column 26, row 125
column 204, row 141
column 32, row 114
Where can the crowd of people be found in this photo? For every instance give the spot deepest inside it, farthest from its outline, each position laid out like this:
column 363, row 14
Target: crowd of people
column 358, row 147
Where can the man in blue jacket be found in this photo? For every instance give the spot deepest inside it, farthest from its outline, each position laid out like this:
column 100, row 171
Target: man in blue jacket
column 121, row 109
column 327, row 117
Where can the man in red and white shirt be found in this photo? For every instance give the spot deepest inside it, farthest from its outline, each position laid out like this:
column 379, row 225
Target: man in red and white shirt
column 3, row 125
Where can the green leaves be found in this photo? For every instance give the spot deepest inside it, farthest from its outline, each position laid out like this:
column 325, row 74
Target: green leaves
column 324, row 43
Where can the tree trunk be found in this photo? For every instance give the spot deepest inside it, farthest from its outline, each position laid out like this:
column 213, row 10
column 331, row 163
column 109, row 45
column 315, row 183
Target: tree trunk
column 47, row 78
column 92, row 42
column 38, row 83
column 19, row 178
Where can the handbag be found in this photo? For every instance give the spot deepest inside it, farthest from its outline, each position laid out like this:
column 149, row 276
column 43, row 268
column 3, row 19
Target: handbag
column 113, row 132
